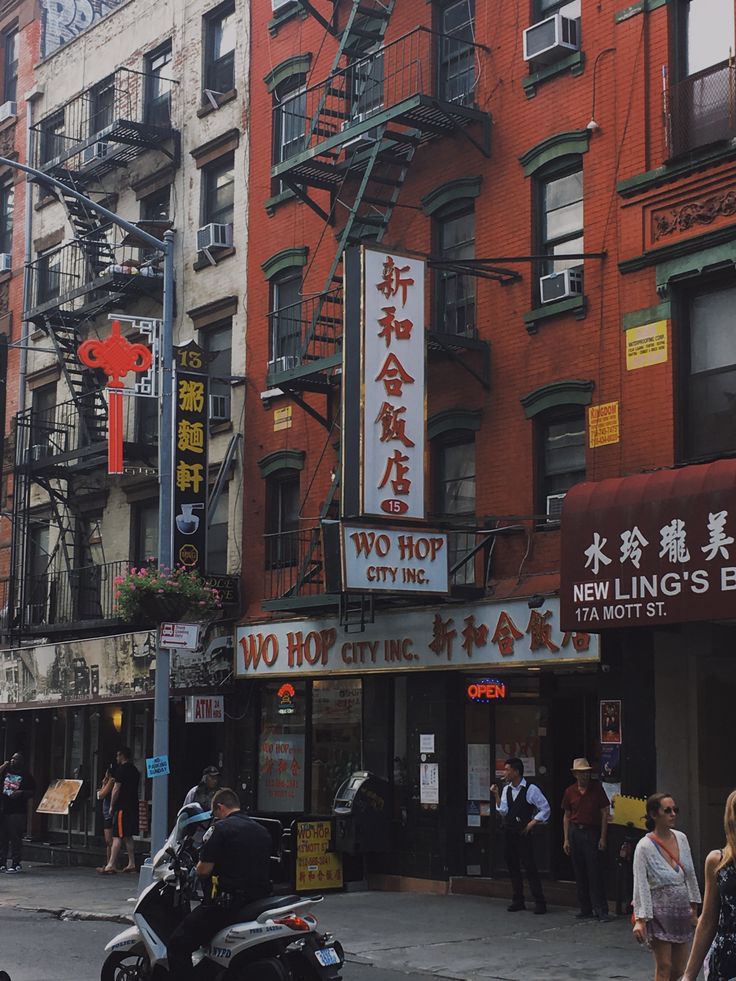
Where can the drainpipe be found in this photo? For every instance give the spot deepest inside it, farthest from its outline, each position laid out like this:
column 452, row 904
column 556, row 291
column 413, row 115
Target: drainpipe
column 27, row 256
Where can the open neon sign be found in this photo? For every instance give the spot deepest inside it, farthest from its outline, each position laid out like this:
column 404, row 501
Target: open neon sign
column 486, row 690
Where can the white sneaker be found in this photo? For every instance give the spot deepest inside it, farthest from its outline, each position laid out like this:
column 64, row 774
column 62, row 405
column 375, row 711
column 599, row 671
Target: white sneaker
column 17, row 868
column 3, row 868
column 11, row 868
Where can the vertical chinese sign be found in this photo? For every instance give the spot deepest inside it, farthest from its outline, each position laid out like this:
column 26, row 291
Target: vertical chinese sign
column 190, row 457
column 384, row 361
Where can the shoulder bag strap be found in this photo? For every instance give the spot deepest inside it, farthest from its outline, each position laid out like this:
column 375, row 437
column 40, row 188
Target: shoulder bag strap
column 661, row 845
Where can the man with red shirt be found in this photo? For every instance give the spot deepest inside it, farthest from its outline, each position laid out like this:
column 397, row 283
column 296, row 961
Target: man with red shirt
column 585, row 823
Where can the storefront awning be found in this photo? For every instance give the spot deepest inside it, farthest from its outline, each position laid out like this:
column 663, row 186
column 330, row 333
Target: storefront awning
column 650, row 549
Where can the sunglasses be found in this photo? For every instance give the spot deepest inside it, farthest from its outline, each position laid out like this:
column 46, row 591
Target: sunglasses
column 671, row 810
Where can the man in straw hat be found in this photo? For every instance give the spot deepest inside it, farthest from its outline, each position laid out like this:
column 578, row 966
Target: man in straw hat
column 585, row 805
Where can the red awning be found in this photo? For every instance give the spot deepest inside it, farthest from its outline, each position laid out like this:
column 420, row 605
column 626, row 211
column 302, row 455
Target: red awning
column 650, row 549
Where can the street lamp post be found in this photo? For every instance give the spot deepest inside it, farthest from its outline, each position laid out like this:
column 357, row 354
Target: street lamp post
column 159, row 817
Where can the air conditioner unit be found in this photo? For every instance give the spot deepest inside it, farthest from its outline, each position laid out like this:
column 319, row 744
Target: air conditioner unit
column 39, row 451
column 6, row 261
column 554, row 507
column 7, row 111
column 214, row 237
column 361, row 139
column 551, row 39
column 561, row 285
column 96, row 151
column 285, row 363
column 219, row 408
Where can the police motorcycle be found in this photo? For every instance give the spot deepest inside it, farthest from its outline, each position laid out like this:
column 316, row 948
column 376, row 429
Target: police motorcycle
column 271, row 939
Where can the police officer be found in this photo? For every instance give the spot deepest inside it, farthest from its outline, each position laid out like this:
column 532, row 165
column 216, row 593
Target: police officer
column 236, row 856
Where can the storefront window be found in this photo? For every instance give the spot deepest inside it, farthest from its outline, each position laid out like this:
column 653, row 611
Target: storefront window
column 337, row 717
column 281, row 747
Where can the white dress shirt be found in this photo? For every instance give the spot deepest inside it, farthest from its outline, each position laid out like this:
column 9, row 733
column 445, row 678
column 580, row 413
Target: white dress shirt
column 533, row 795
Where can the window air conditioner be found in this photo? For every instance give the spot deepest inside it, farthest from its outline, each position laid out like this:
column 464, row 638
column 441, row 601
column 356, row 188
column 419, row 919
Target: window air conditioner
column 561, row 285
column 214, row 237
column 554, row 507
column 551, row 39
column 7, row 111
column 6, row 261
column 285, row 363
column 39, row 451
column 97, row 151
column 219, row 408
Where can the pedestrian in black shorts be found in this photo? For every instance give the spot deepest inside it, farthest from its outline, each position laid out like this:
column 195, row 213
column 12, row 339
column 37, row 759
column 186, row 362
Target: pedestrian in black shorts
column 124, row 812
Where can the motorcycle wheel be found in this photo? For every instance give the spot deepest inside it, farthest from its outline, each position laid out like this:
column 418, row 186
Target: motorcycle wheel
column 124, row 966
column 267, row 969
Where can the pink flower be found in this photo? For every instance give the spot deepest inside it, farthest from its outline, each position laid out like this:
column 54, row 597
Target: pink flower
column 133, row 570
column 117, row 594
column 132, row 586
column 118, row 580
column 159, row 590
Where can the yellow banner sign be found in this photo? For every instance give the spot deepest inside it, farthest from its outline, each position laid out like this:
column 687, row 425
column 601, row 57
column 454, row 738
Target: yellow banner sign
column 603, row 424
column 316, row 867
column 646, row 345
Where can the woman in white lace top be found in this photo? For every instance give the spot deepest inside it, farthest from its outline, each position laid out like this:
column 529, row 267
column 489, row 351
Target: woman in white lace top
column 666, row 893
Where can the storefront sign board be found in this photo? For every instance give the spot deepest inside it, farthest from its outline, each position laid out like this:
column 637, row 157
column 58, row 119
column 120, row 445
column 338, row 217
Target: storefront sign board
column 603, row 424
column 646, row 345
column 191, row 434
column 204, row 708
column 469, row 637
column 59, row 796
column 316, row 866
column 385, row 358
column 399, row 560
column 650, row 549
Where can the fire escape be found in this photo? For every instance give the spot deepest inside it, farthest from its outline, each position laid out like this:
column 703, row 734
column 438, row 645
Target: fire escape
column 361, row 127
column 62, row 446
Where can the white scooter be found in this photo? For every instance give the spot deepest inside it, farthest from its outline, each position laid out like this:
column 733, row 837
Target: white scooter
column 272, row 939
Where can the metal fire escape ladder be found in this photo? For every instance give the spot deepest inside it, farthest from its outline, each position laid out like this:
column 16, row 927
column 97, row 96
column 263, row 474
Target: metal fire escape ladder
column 88, row 397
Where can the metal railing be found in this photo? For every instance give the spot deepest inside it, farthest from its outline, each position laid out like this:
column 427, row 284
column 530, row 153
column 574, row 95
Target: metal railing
column 421, row 62
column 701, row 109
column 63, row 278
column 48, row 436
column 95, row 115
column 308, row 330
column 293, row 564
column 63, row 597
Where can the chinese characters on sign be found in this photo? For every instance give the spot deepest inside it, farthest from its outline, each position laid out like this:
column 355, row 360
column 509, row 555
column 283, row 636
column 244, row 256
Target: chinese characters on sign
column 393, row 369
column 503, row 634
column 400, row 560
column 316, row 866
column 281, row 772
column 191, row 431
column 649, row 549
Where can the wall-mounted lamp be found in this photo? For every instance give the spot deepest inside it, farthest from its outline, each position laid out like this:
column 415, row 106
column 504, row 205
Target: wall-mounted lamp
column 117, row 718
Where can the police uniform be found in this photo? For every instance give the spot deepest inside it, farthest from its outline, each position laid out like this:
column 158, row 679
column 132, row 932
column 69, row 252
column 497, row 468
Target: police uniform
column 240, row 850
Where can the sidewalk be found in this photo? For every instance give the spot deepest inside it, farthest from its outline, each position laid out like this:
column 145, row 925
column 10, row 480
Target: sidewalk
column 458, row 937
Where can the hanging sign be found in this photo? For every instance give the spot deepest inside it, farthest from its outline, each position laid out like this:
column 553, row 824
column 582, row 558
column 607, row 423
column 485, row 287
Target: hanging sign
column 395, row 559
column 191, row 428
column 384, row 358
column 204, row 708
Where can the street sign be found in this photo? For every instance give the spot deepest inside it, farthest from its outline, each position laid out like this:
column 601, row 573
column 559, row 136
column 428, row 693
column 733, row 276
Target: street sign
column 157, row 766
column 204, row 708
column 179, row 636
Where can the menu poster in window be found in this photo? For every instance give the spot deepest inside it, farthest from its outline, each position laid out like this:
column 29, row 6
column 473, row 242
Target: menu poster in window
column 429, row 783
column 281, row 772
column 611, row 721
column 337, row 702
column 479, row 771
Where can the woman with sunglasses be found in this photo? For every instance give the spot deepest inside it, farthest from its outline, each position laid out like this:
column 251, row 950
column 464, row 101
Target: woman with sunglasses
column 666, row 893
column 717, row 924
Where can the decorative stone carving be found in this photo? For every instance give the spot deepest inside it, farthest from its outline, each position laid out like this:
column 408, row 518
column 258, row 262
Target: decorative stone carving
column 683, row 217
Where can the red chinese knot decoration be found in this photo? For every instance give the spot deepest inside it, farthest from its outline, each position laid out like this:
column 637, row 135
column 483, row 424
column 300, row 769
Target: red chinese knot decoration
column 116, row 356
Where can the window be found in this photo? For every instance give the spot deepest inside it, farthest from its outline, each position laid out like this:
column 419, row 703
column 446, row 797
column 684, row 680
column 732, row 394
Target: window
column 455, row 496
column 707, row 34
column 43, row 421
column 366, row 83
column 155, row 207
column 455, row 292
column 217, row 340
column 282, row 519
column 561, row 453
column 145, row 532
column 457, row 54
column 337, row 729
column 709, row 374
column 53, row 141
column 219, row 50
column 217, row 536
column 568, row 8
column 102, row 105
column 290, row 120
column 7, row 196
column 10, row 72
column 158, row 87
column 281, row 761
column 218, row 189
column 48, row 275
column 286, row 318
column 561, row 218
column 37, row 563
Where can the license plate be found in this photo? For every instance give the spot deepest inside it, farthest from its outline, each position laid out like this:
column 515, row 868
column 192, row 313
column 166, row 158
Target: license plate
column 327, row 956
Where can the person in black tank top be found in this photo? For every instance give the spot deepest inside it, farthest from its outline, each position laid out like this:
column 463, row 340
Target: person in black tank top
column 715, row 936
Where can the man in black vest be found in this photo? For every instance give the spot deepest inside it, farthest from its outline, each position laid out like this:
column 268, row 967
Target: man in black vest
column 523, row 806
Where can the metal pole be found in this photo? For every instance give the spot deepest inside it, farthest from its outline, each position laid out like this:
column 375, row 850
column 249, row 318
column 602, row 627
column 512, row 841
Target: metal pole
column 160, row 793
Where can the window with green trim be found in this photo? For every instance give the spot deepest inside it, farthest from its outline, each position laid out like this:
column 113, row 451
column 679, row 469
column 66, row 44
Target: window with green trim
column 560, row 190
column 458, row 74
column 282, row 519
column 286, row 318
column 560, row 437
column 454, row 495
column 455, row 291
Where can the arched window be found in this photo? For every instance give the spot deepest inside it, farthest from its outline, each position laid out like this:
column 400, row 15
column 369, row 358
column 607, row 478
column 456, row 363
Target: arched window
column 281, row 471
column 284, row 272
